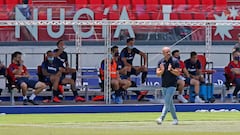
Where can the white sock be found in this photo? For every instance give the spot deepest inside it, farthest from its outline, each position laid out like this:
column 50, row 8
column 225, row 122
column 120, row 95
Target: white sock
column 24, row 97
column 32, row 96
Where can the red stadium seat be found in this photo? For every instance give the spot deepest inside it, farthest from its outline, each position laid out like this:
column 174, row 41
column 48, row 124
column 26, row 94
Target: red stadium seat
column 157, row 16
column 199, row 16
column 81, row 3
column 179, row 2
column 207, row 2
column 174, row 16
column 152, row 5
column 194, row 2
column 143, row 16
column 165, row 2
column 221, row 2
column 186, row 16
column 109, row 2
column 124, row 2
column 114, row 16
column 2, row 2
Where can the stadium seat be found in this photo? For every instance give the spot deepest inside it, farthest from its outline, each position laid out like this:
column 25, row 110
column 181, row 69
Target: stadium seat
column 199, row 16
column 81, row 3
column 143, row 16
column 157, row 15
column 152, row 5
column 194, row 2
column 174, row 16
column 179, row 2
column 186, row 16
column 124, row 2
column 114, row 15
column 207, row 2
column 108, row 3
column 2, row 2
column 96, row 4
column 165, row 2
column 221, row 2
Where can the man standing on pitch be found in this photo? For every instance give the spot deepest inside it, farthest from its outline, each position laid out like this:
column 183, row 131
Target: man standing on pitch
column 168, row 68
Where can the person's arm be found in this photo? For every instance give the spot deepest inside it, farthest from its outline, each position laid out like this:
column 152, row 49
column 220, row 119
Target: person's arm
column 144, row 58
column 160, row 69
column 186, row 73
column 174, row 69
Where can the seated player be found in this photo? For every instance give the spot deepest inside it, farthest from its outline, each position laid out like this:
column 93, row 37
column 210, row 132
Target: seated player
column 19, row 74
column 63, row 56
column 193, row 66
column 185, row 79
column 53, row 70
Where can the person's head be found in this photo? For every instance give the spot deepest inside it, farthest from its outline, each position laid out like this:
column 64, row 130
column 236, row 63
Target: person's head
column 17, row 57
column 236, row 55
column 25, row 2
column 50, row 56
column 60, row 44
column 193, row 57
column 166, row 52
column 176, row 54
column 114, row 51
column 130, row 43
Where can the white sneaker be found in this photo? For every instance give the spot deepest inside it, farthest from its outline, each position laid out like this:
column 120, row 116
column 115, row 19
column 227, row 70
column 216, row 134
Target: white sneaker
column 159, row 121
column 182, row 99
column 234, row 99
column 175, row 122
column 199, row 100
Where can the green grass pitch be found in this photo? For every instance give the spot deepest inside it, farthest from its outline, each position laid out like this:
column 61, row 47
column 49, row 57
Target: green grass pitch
column 219, row 123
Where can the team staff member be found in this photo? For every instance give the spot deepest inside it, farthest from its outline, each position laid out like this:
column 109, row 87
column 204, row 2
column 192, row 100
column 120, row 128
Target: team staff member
column 168, row 68
column 52, row 68
column 118, row 85
column 127, row 55
column 19, row 74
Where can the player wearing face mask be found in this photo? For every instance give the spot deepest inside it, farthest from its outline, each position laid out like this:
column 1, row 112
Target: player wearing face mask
column 234, row 66
column 127, row 55
column 53, row 69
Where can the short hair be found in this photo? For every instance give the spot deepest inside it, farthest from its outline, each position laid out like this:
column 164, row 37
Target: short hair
column 129, row 39
column 193, row 54
column 114, row 47
column 49, row 51
column 14, row 55
column 25, row 1
column 59, row 41
column 175, row 51
column 236, row 51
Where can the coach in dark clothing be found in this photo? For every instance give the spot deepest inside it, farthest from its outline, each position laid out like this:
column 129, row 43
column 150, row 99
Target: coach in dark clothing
column 168, row 68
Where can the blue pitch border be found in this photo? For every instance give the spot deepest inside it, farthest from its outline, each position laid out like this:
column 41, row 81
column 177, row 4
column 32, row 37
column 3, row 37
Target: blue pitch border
column 110, row 108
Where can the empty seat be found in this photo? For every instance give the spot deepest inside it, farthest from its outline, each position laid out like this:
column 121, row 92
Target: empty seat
column 194, row 2
column 207, row 2
column 152, row 5
column 179, row 2
column 221, row 2
column 124, row 2
column 81, row 3
column 199, row 16
column 157, row 16
column 109, row 2
column 143, row 16
column 165, row 2
column 2, row 2
column 185, row 16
